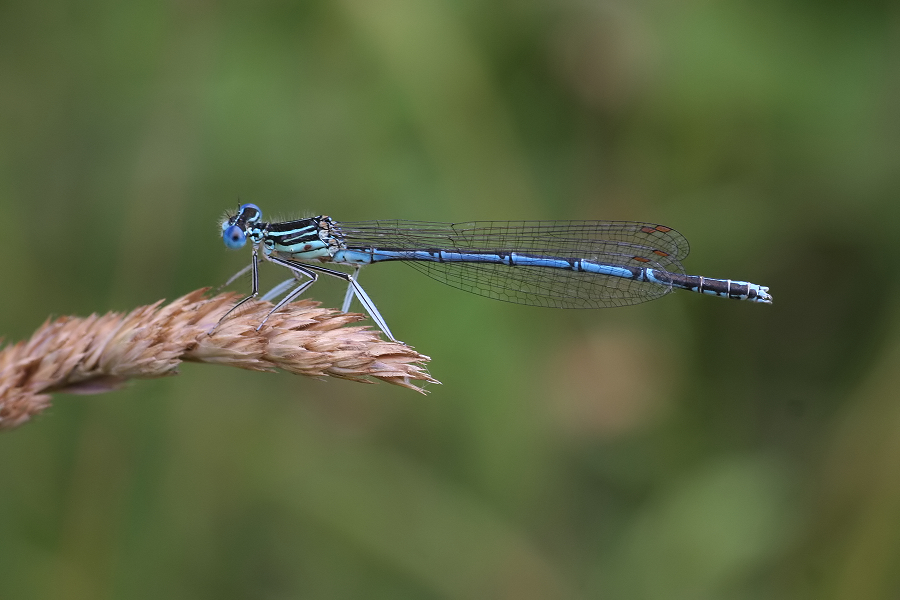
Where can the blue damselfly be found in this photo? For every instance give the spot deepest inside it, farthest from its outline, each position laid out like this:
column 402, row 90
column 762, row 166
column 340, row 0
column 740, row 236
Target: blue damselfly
column 562, row 264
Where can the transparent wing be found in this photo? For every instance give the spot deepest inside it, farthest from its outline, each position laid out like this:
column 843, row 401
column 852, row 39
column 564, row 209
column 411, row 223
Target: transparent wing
column 618, row 243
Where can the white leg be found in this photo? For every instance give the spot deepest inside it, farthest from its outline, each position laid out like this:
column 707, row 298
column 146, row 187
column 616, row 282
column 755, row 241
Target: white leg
column 357, row 290
column 296, row 292
column 279, row 289
column 236, row 275
column 348, row 297
column 370, row 308
column 254, row 291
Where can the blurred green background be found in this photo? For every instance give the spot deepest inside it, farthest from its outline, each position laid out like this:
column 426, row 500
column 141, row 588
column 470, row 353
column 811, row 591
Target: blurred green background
column 687, row 448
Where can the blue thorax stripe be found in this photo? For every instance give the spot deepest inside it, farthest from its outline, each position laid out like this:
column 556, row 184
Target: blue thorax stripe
column 292, row 236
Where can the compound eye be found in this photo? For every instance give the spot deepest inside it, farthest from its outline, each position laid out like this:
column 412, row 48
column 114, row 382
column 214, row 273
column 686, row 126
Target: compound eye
column 251, row 211
column 234, row 237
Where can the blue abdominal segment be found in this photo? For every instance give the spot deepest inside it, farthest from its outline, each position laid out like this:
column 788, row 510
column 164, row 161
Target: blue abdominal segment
column 563, row 264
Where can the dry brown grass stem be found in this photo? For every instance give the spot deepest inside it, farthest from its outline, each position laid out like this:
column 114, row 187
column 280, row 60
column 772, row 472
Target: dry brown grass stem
column 100, row 353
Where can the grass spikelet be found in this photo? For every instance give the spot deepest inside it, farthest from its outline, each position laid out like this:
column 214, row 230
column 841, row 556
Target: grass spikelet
column 100, row 353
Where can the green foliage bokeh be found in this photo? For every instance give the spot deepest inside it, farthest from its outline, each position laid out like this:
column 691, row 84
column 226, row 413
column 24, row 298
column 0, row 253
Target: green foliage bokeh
column 687, row 448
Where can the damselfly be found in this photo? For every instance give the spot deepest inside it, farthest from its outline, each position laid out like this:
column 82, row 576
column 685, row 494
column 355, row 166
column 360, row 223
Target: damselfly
column 562, row 264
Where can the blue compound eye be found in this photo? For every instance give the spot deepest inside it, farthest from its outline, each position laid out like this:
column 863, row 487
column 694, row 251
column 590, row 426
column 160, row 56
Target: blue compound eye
column 234, row 237
column 251, row 212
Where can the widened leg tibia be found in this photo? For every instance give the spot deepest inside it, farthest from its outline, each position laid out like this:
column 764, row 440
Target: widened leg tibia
column 370, row 308
column 279, row 290
column 348, row 297
column 353, row 285
column 254, row 290
column 293, row 294
column 311, row 272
